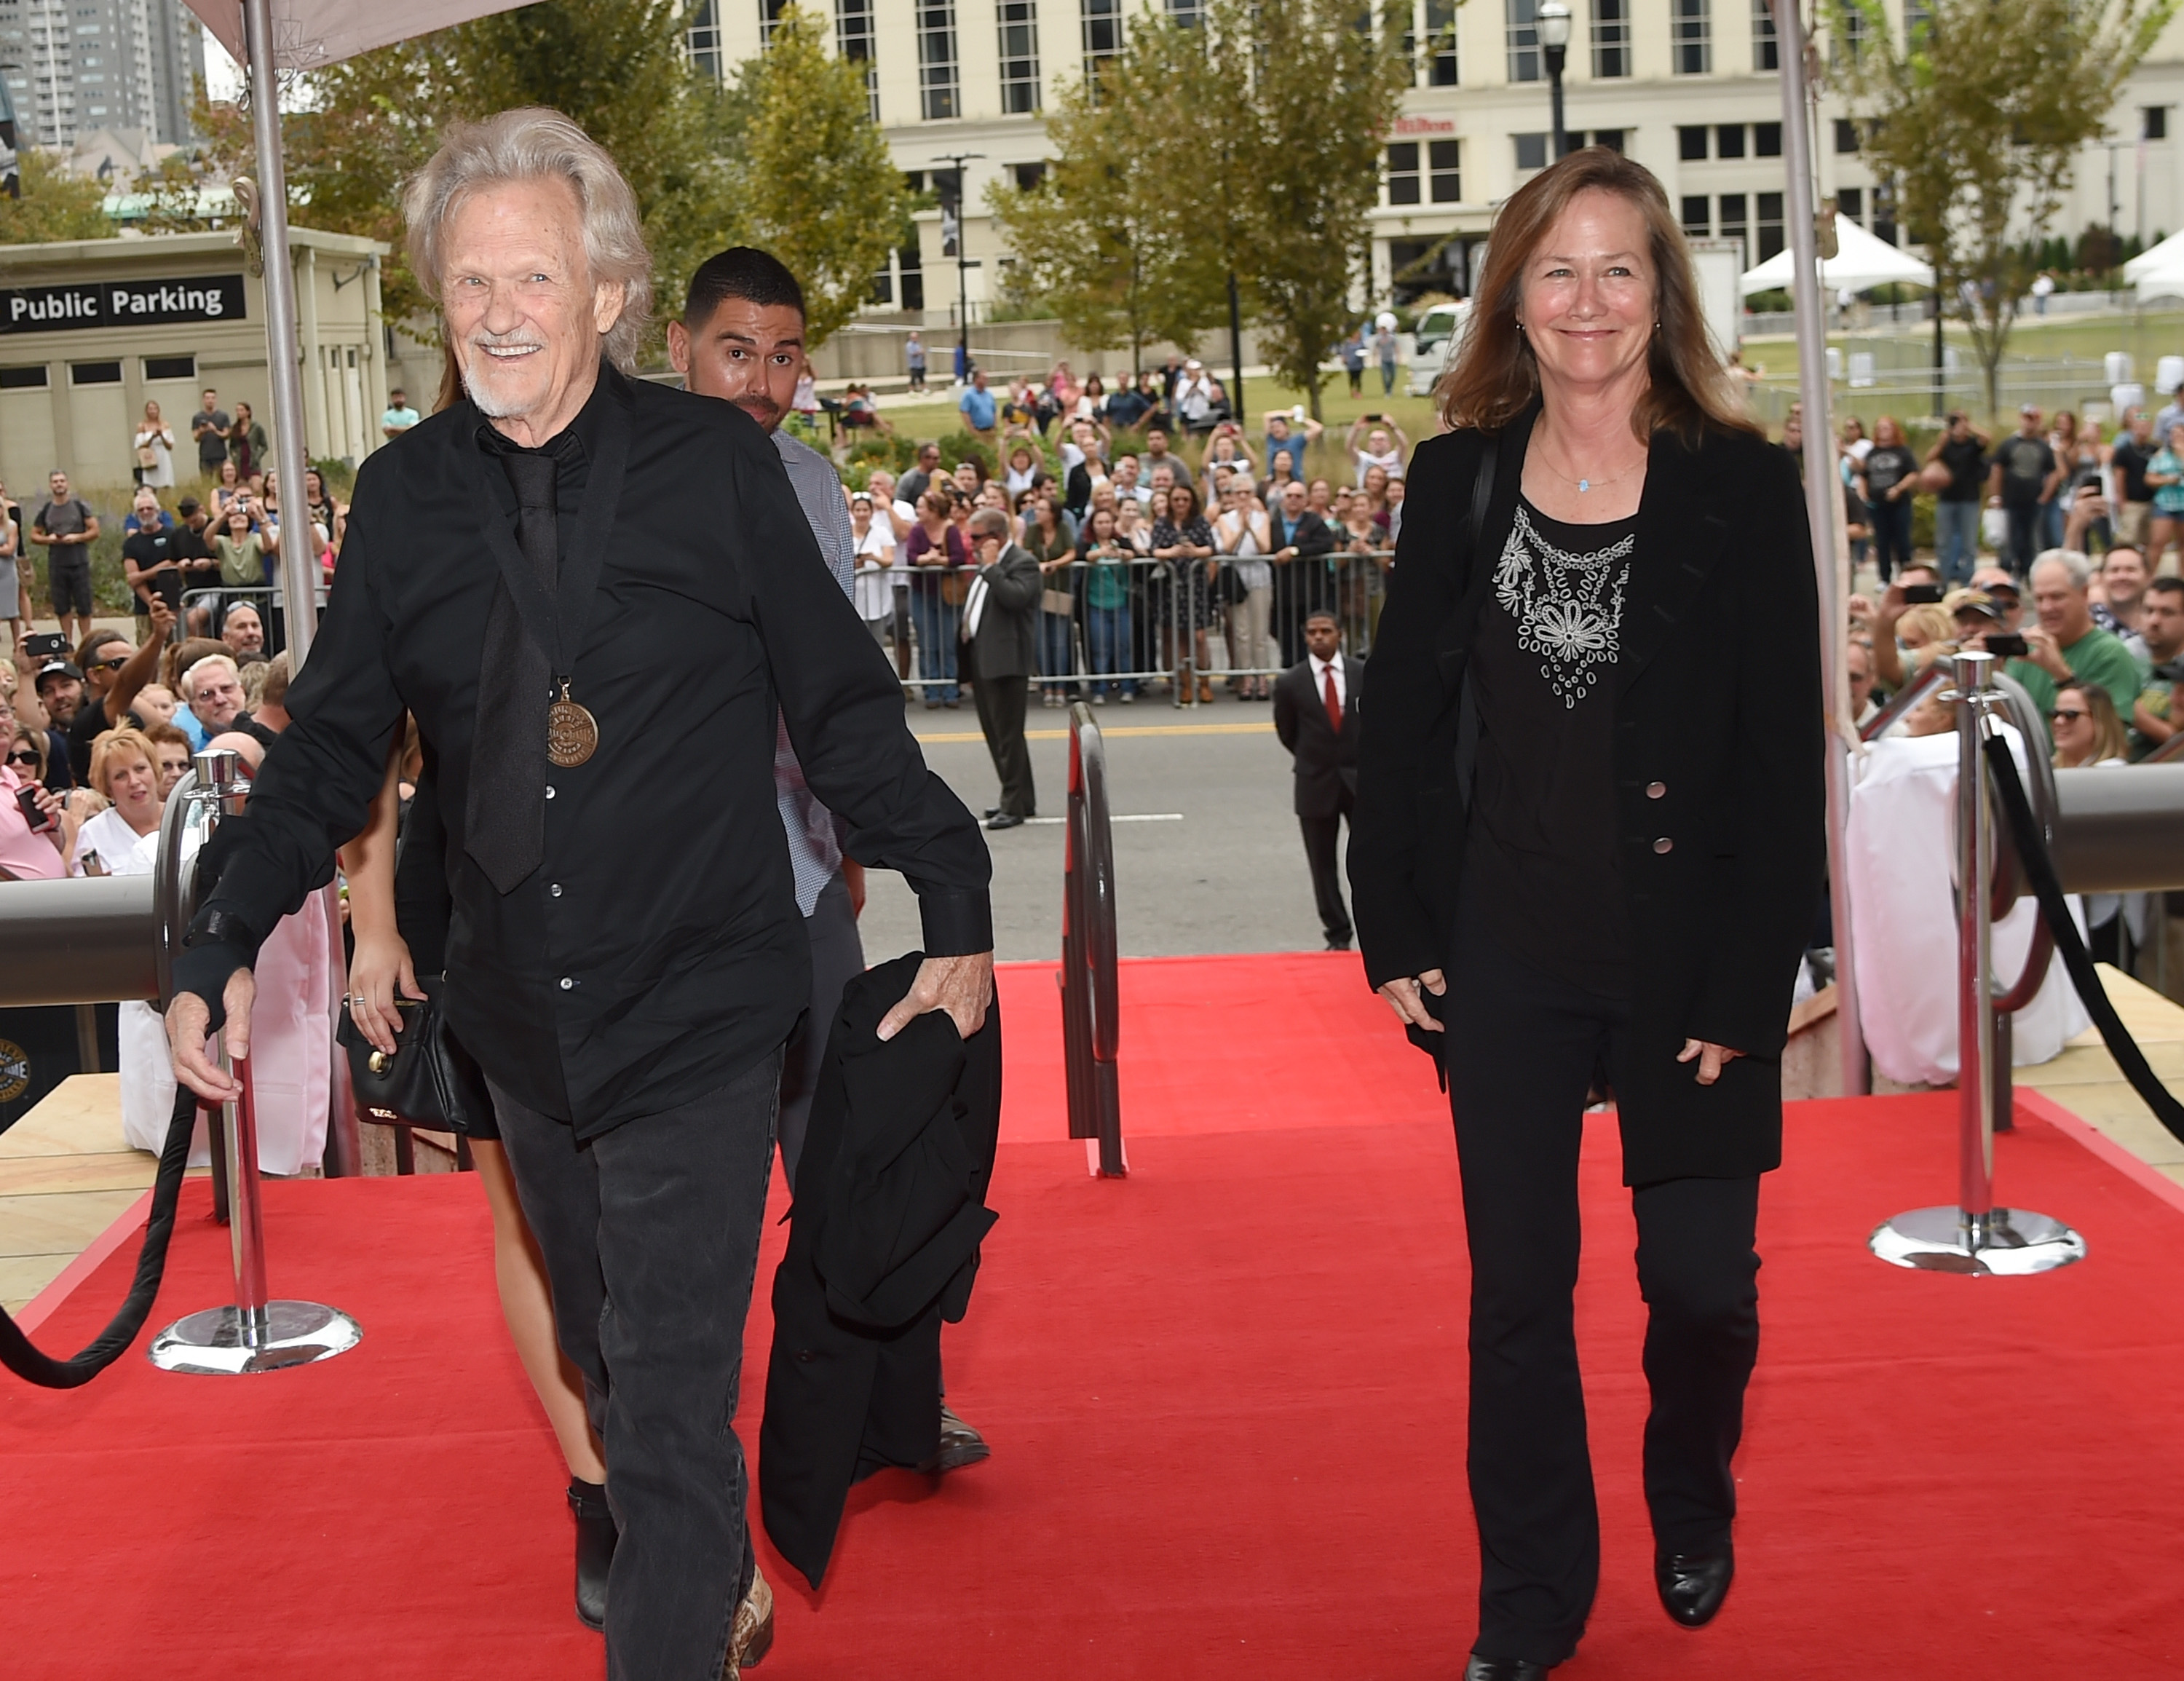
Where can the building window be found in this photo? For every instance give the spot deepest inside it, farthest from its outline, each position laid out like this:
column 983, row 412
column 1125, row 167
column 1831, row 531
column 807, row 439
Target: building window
column 1403, row 172
column 936, row 59
column 854, row 39
column 1100, row 24
column 703, row 39
column 1440, row 42
column 1849, row 32
column 1690, row 36
column 1733, row 224
column 1028, row 176
column 23, row 379
column 1918, row 18
column 1696, row 222
column 1522, row 31
column 1766, row 45
column 1611, row 38
column 1729, row 140
column 2153, row 122
column 1612, row 138
column 1767, row 140
column 1884, row 213
column 1845, row 135
column 170, row 367
column 1851, row 201
column 1531, row 151
column 1770, row 224
column 769, row 18
column 1186, row 14
column 1443, row 173
column 1691, row 144
column 94, row 373
column 1018, row 24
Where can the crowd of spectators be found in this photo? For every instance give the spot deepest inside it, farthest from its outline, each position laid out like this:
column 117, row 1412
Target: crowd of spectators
column 1158, row 572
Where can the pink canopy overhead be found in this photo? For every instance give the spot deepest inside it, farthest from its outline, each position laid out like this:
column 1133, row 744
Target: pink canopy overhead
column 308, row 34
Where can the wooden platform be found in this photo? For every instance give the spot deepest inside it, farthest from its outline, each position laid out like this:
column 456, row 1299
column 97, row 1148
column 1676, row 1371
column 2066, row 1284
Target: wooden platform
column 65, row 1175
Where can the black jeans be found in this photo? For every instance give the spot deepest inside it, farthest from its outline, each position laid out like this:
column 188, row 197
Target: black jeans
column 1891, row 535
column 1523, row 1048
column 651, row 1234
column 2025, row 522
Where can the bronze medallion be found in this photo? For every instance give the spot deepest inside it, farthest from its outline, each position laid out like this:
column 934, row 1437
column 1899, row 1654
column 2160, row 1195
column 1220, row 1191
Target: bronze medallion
column 573, row 734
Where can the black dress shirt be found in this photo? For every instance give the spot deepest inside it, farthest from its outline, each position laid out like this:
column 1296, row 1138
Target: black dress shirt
column 657, row 953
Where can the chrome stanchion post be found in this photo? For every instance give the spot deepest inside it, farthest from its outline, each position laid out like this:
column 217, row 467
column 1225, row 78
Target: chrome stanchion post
column 1975, row 1236
column 255, row 1334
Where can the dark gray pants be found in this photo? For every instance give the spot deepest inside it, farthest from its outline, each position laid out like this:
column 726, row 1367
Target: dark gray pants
column 1001, row 702
column 651, row 1234
column 837, row 957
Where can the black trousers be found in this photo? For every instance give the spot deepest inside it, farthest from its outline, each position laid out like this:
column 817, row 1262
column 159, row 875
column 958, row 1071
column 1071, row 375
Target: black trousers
column 1321, row 851
column 651, row 1234
column 837, row 957
column 1001, row 702
column 1523, row 1048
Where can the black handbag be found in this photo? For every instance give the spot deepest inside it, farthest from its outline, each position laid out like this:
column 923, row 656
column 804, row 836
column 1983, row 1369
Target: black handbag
column 428, row 1080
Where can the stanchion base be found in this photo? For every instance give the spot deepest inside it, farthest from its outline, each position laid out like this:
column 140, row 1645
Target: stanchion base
column 2014, row 1241
column 212, row 1343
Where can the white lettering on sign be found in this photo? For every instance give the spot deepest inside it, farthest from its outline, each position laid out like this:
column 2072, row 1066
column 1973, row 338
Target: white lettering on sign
column 173, row 297
column 130, row 302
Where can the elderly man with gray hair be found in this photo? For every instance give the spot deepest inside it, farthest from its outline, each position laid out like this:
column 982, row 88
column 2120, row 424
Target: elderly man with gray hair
column 511, row 575
column 2064, row 645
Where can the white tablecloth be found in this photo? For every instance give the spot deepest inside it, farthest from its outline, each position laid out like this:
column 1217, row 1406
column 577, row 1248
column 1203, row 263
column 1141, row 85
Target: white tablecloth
column 1901, row 848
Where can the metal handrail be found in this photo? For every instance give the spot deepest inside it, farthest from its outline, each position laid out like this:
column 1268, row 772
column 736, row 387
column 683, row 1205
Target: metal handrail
column 1905, row 698
column 1090, row 1001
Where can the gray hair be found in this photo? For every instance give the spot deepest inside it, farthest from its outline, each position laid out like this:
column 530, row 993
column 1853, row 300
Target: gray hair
column 2075, row 567
column 532, row 143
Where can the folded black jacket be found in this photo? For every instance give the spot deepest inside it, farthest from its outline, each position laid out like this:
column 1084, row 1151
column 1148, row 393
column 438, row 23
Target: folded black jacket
column 882, row 1246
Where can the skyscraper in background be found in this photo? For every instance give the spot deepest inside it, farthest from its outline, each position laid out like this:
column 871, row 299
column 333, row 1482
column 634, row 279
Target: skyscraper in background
column 77, row 66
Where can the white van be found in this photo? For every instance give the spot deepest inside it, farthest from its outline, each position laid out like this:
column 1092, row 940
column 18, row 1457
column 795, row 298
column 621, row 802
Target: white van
column 1440, row 330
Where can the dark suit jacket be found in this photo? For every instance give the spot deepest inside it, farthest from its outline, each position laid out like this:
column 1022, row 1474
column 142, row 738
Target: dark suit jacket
column 882, row 1246
column 1007, row 642
column 1310, row 535
column 1326, row 762
column 1719, row 771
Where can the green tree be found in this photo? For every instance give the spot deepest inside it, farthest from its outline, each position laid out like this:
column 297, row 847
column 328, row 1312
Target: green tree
column 172, row 194
column 812, row 178
column 1104, row 241
column 1977, row 118
column 615, row 67
column 54, row 204
column 1245, row 149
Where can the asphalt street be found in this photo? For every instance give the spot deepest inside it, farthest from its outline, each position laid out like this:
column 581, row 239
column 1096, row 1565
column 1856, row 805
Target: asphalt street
column 1207, row 856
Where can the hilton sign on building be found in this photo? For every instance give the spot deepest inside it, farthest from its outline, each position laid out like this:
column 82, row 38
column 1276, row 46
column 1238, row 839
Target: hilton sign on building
column 90, row 329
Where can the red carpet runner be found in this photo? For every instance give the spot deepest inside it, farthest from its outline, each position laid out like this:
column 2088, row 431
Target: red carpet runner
column 1226, row 1399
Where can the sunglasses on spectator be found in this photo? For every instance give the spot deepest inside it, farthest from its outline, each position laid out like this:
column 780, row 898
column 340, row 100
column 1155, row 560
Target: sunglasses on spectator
column 22, row 756
column 2065, row 716
column 113, row 665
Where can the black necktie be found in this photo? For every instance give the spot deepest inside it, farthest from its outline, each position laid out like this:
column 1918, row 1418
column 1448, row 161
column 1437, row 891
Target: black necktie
column 504, row 815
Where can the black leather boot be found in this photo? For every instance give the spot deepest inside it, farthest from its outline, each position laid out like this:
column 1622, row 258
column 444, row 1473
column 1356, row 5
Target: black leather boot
column 596, row 1535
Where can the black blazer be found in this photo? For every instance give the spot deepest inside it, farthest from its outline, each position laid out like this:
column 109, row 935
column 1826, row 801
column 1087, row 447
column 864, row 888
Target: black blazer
column 1007, row 642
column 1326, row 762
column 1719, row 771
column 1310, row 535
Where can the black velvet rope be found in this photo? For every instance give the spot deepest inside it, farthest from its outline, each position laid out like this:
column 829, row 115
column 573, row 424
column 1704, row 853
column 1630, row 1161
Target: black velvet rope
column 32, row 1364
column 2024, row 828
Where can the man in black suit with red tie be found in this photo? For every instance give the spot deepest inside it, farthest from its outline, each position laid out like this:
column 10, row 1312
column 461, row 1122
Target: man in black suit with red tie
column 1316, row 716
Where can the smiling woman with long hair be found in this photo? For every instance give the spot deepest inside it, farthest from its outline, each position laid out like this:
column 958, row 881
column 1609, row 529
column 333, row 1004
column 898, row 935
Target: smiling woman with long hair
column 1587, row 850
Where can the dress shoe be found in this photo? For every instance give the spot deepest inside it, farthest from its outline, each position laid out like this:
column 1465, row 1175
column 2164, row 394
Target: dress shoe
column 1504, row 1669
column 1693, row 1585
column 750, row 1636
column 1004, row 819
column 1338, row 945
column 596, row 1535
column 991, row 811
column 959, row 1445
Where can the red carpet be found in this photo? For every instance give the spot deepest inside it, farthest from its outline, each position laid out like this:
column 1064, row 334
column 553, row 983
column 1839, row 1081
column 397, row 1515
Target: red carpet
column 1226, row 1401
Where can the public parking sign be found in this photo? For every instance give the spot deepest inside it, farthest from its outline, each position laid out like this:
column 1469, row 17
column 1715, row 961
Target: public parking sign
column 122, row 304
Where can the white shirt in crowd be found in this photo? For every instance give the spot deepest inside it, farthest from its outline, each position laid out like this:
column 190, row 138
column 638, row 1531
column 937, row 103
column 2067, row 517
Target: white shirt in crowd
column 1392, row 460
column 1320, row 668
column 875, row 588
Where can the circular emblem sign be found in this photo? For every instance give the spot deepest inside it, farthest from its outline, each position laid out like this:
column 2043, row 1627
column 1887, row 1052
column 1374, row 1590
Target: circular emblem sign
column 15, row 1070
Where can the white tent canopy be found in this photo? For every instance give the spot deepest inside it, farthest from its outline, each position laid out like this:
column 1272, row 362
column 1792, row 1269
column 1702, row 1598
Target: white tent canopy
column 2165, row 258
column 310, row 34
column 1861, row 262
column 2163, row 282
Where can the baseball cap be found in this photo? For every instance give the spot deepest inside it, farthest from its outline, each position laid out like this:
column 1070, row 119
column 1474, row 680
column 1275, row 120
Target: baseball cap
column 59, row 668
column 1974, row 601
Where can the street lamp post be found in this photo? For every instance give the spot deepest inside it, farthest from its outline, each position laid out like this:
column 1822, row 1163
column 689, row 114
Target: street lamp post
column 1553, row 17
column 963, row 263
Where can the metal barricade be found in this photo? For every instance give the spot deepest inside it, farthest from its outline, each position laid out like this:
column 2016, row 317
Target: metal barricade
column 1090, row 1007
